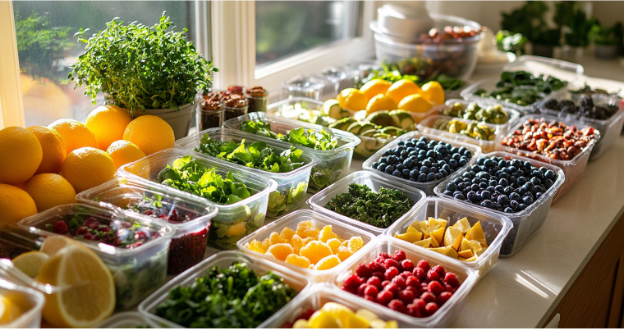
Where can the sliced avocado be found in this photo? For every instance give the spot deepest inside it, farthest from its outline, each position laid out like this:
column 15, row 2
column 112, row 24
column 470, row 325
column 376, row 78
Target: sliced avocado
column 368, row 133
column 392, row 131
column 381, row 118
column 342, row 123
column 323, row 120
column 361, row 115
column 402, row 119
column 354, row 128
column 332, row 109
column 366, row 127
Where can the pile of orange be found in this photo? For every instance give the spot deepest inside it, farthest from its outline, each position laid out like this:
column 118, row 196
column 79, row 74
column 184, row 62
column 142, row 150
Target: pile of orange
column 43, row 167
column 308, row 247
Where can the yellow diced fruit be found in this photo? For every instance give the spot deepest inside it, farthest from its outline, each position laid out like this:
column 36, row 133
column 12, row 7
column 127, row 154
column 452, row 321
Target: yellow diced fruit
column 334, row 244
column 308, row 240
column 256, row 246
column 463, row 224
column 465, row 245
column 355, row 244
column 473, row 258
column 438, row 235
column 355, row 322
column 297, row 243
column 434, row 242
column 411, row 229
column 326, row 233
column 287, row 233
column 366, row 314
column 392, row 324
column 345, row 243
column 477, row 248
column 477, row 233
column 378, row 324
column 465, row 254
column 453, row 237
column 275, row 238
column 410, row 237
column 434, row 224
column 266, row 244
column 424, row 243
column 446, row 250
column 420, row 226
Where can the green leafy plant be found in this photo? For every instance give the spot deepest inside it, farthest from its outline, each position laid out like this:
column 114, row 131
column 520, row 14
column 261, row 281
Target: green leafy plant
column 547, row 37
column 578, row 27
column 321, row 140
column 528, row 20
column 140, row 67
column 511, row 42
column 604, row 35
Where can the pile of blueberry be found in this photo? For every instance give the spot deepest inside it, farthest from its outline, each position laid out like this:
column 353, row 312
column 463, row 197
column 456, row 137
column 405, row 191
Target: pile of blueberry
column 423, row 160
column 503, row 185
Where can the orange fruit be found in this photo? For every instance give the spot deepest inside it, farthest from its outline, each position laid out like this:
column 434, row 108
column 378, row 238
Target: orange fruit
column 150, row 133
column 75, row 134
column 88, row 167
column 306, row 229
column 124, row 152
column 52, row 147
column 20, row 155
column 343, row 253
column 328, row 262
column 380, row 103
column 355, row 244
column 401, row 89
column 375, row 87
column 49, row 190
column 266, row 244
column 352, row 99
column 15, row 204
column 287, row 233
column 256, row 246
column 275, row 238
column 280, row 251
column 297, row 243
column 296, row 260
column 434, row 92
column 308, row 240
column 326, row 233
column 345, row 243
column 315, row 251
column 334, row 244
column 107, row 122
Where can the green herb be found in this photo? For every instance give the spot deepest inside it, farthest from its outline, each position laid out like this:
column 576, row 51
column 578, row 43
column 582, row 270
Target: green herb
column 310, row 138
column 190, row 176
column 380, row 209
column 140, row 67
column 280, row 200
column 234, row 297
column 257, row 155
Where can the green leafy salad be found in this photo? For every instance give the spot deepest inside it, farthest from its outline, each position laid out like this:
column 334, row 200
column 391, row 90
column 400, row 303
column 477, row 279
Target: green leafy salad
column 233, row 297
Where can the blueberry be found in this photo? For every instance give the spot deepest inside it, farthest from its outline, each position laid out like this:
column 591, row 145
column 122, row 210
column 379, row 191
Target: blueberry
column 468, row 154
column 475, row 187
column 487, row 203
column 538, row 189
column 508, row 190
column 421, row 145
column 521, row 180
column 375, row 165
column 431, row 177
column 537, row 195
column 528, row 200
column 508, row 210
column 548, row 183
column 438, row 176
column 382, row 167
column 397, row 173
column 404, row 154
column 503, row 182
column 499, row 188
column 515, row 196
column 551, row 175
column 400, row 167
column 459, row 196
column 448, row 193
column 516, row 163
column 514, row 205
column 422, row 177
column 457, row 180
column 460, row 186
column 400, row 143
column 433, row 170
column 492, row 183
column 472, row 196
column 453, row 163
column 455, row 156
column 536, row 181
column 502, row 199
column 446, row 167
column 485, row 194
column 453, row 150
column 443, row 172
column 491, row 189
column 528, row 186
column 424, row 169
column 407, row 163
column 390, row 169
column 483, row 185
column 414, row 174
column 522, row 206
column 451, row 186
column 502, row 163
column 489, row 163
column 426, row 163
column 405, row 173
column 522, row 190
column 409, row 144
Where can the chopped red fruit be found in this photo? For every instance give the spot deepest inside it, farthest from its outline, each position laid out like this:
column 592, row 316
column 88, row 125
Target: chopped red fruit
column 82, row 230
column 379, row 275
column 361, row 289
column 433, row 275
column 91, row 223
column 384, row 255
column 435, row 288
column 399, row 255
column 413, row 281
column 385, row 283
column 417, row 308
column 440, row 270
column 60, row 227
column 374, row 281
column 392, row 288
column 419, row 273
column 352, row 282
column 452, row 279
column 377, row 267
column 406, row 296
column 371, row 290
column 444, row 296
column 385, row 297
column 424, row 264
column 405, row 274
column 397, row 305
column 399, row 281
column 371, row 298
column 388, row 263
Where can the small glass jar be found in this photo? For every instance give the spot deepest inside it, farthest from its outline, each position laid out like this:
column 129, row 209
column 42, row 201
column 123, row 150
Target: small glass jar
column 303, row 86
column 235, row 105
column 236, row 89
column 211, row 111
column 257, row 98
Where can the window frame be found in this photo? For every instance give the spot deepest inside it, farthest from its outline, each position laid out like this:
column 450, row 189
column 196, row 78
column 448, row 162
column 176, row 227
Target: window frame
column 11, row 105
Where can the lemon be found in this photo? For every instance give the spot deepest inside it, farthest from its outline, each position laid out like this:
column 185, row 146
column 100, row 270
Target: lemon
column 339, row 312
column 53, row 244
column 49, row 190
column 415, row 103
column 356, row 322
column 433, row 92
column 322, row 319
column 123, row 152
column 402, row 88
column 88, row 297
column 375, row 87
column 352, row 99
column 107, row 123
column 15, row 204
column 380, row 102
column 30, row 262
column 150, row 133
column 9, row 310
column 52, row 147
column 87, row 167
column 20, row 155
column 74, row 133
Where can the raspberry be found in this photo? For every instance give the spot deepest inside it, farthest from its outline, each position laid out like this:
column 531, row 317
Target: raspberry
column 399, row 281
column 423, row 264
column 377, row 267
column 371, row 290
column 433, row 275
column 452, row 279
column 399, row 255
column 412, row 281
column 379, row 260
column 440, row 270
column 306, row 314
column 385, row 297
column 104, row 229
column 371, row 298
column 384, row 255
column 388, row 263
column 90, row 237
column 431, row 308
column 417, row 308
column 391, row 273
column 348, row 290
column 392, row 288
column 379, row 275
column 385, row 283
column 60, row 227
column 424, row 286
column 352, row 282
column 82, row 230
column 406, row 296
column 397, row 305
column 435, row 288
column 363, row 271
column 361, row 289
column 449, row 288
column 444, row 296
column 415, row 291
column 405, row 274
column 419, row 273
column 407, row 265
column 374, row 281
column 428, row 297
column 91, row 223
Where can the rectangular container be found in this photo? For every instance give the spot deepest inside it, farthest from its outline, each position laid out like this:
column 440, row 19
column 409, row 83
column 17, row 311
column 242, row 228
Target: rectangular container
column 446, row 314
column 489, row 85
column 294, row 107
column 233, row 221
column 486, row 145
column 513, row 115
column 125, row 320
column 495, row 227
column 319, row 220
column 334, row 164
column 286, row 198
column 30, row 301
column 137, row 272
column 317, row 296
column 427, row 187
column 573, row 169
column 524, row 223
column 375, row 182
column 222, row 260
column 188, row 244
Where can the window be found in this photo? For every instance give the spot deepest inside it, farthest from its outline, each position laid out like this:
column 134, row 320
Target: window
column 44, row 34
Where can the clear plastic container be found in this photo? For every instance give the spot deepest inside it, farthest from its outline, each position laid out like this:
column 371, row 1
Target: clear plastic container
column 317, row 296
column 125, row 320
column 338, row 79
column 486, row 145
column 292, row 186
column 295, row 107
column 137, row 271
column 15, row 241
column 375, row 182
column 221, row 260
column 427, row 187
column 495, row 226
column 233, row 221
column 188, row 244
column 303, row 86
column 446, row 314
column 334, row 164
column 28, row 300
column 524, row 223
column 489, row 85
column 573, row 169
column 319, row 220
column 513, row 115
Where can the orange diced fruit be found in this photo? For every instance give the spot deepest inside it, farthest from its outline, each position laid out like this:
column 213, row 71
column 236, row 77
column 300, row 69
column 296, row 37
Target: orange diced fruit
column 308, row 240
column 438, row 235
column 344, row 253
column 326, row 233
column 334, row 244
column 280, row 251
column 315, row 251
column 345, row 243
column 256, row 246
column 287, row 233
column 355, row 244
column 297, row 243
column 424, row 243
column 453, row 237
column 296, row 260
column 302, row 227
column 328, row 262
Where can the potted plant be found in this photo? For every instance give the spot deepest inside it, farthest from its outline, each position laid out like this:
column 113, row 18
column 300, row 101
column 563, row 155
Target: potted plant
column 544, row 40
column 605, row 40
column 146, row 70
column 577, row 36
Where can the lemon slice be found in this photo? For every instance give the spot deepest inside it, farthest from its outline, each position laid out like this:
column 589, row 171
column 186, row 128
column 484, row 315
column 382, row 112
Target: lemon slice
column 9, row 310
column 53, row 244
column 88, row 295
column 30, row 262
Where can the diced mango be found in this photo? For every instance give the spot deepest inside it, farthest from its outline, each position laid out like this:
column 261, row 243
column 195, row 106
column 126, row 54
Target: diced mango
column 465, row 254
column 477, row 233
column 463, row 224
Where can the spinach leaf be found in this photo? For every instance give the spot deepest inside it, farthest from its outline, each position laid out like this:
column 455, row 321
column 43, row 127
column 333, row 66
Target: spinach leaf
column 322, row 140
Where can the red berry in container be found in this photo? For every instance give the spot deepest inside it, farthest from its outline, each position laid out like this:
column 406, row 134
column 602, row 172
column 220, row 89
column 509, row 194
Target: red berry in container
column 431, row 308
column 374, row 281
column 385, row 283
column 363, row 271
column 392, row 288
column 449, row 288
column 306, row 314
column 415, row 291
column 413, row 281
column 399, row 281
column 399, row 255
column 82, row 230
column 385, row 297
column 91, row 223
column 423, row 264
column 419, row 273
column 361, row 289
column 376, row 267
column 452, row 279
column 417, row 308
column 428, row 297
column 444, row 296
column 388, row 263
column 435, row 288
column 407, row 265
column 379, row 275
column 60, row 227
column 371, row 290
column 440, row 270
column 346, row 289
column 371, row 298
column 406, row 296
column 384, row 255
column 352, row 282
column 391, row 273
column 379, row 260
column 424, row 286
column 397, row 305
column 405, row 274
column 433, row 275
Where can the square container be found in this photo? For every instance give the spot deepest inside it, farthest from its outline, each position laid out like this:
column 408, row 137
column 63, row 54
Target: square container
column 573, row 169
column 317, row 296
column 222, row 260
column 524, row 223
column 334, row 164
column 295, row 107
column 137, row 272
column 375, row 182
column 513, row 115
column 427, row 187
column 495, row 227
column 281, row 201
column 30, row 301
column 485, row 145
column 303, row 86
column 342, row 230
column 233, row 221
column 188, row 244
column 125, row 320
column 446, row 314
column 489, row 85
